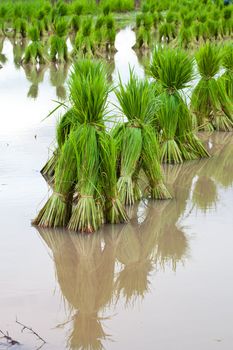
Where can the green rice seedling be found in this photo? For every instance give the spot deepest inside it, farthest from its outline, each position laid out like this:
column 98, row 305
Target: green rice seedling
column 99, row 32
column 143, row 39
column 202, row 16
column 89, row 110
column 131, row 148
column 62, row 8
column 87, row 216
column 185, row 37
column 57, row 210
column 75, row 23
column 148, row 21
column 196, row 31
column 213, row 29
column 137, row 104
column 139, row 20
column 84, row 42
column 114, row 208
column 100, row 22
column 78, row 8
column 110, row 32
column 20, row 28
column 34, row 52
column 227, row 21
column 216, row 14
column 209, row 101
column 106, row 9
column 151, row 164
column 227, row 63
column 168, row 115
column 58, row 46
column 167, row 32
column 155, row 18
column 64, row 126
column 171, row 17
column 173, row 71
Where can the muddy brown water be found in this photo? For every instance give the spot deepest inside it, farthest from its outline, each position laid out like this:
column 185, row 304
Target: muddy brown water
column 164, row 281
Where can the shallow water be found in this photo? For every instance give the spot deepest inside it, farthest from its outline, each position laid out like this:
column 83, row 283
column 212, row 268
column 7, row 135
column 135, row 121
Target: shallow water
column 163, row 281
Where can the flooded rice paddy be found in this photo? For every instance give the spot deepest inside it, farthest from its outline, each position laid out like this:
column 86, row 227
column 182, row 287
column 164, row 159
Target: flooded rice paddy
column 164, row 281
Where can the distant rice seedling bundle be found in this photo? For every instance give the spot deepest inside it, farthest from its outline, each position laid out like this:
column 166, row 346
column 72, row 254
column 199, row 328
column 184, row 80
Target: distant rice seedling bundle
column 85, row 180
column 84, row 42
column 58, row 46
column 20, row 28
column 34, row 52
column 172, row 70
column 227, row 63
column 210, row 103
column 138, row 147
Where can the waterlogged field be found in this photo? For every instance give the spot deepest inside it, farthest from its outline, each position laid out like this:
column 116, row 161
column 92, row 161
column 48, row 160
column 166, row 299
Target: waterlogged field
column 163, row 281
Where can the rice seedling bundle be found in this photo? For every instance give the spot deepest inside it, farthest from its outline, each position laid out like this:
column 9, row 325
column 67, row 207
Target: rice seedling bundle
column 75, row 23
column 58, row 46
column 227, row 25
column 64, row 127
column 137, row 142
column 110, row 32
column 172, row 70
column 84, row 42
column 90, row 189
column 209, row 101
column 57, row 210
column 20, row 28
column 143, row 40
column 227, row 63
column 167, row 32
column 34, row 52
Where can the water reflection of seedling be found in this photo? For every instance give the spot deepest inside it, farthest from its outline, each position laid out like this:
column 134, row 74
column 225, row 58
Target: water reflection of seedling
column 133, row 279
column 35, row 75
column 85, row 270
column 3, row 58
column 205, row 194
column 172, row 246
column 18, row 50
column 58, row 76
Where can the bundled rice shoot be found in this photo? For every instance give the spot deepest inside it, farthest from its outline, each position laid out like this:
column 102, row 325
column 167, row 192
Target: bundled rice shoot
column 58, row 46
column 85, row 179
column 210, row 103
column 227, row 63
column 34, row 53
column 137, row 142
column 172, row 70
